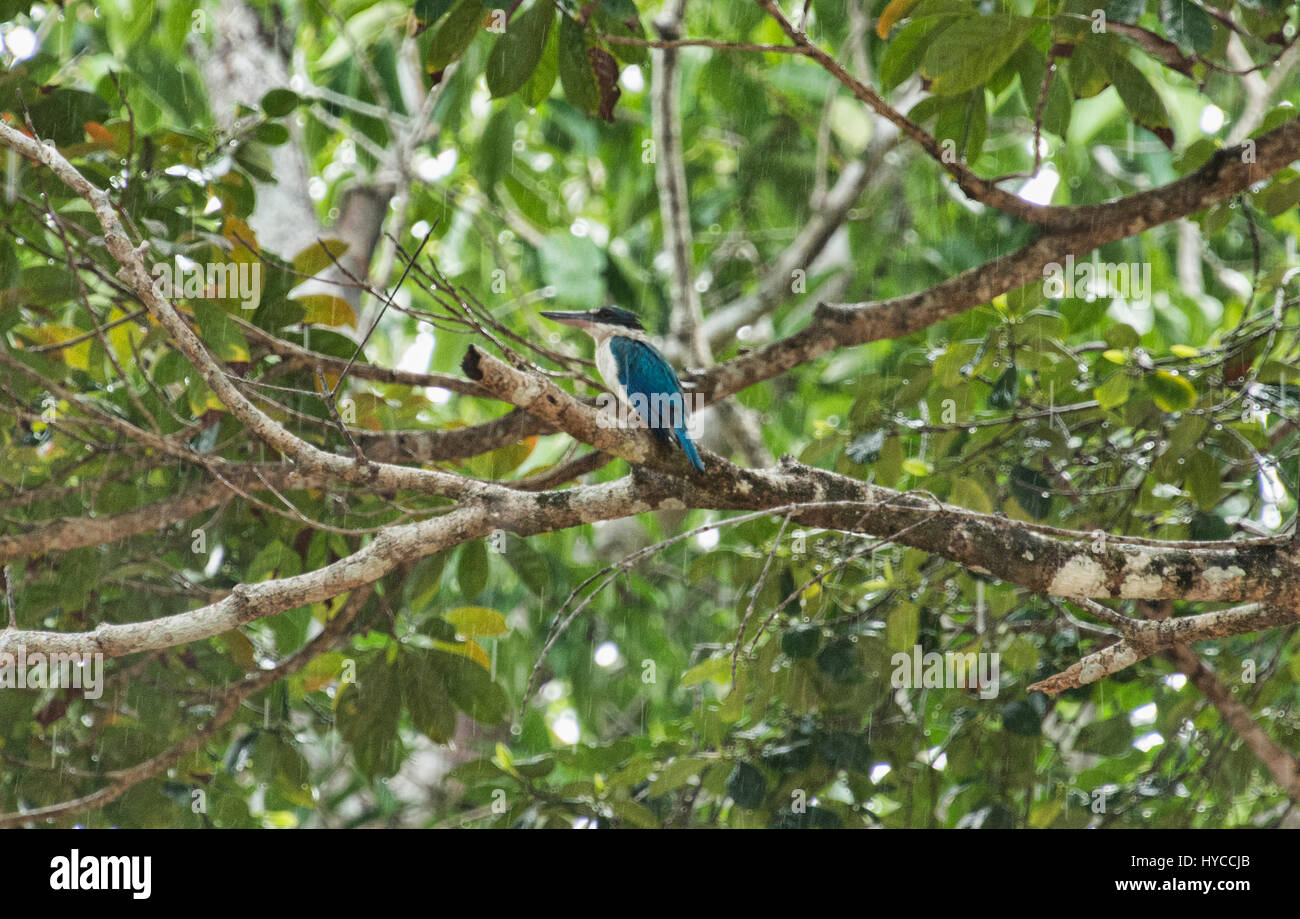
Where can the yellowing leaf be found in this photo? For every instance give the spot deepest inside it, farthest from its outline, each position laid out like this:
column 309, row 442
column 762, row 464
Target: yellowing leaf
column 1114, row 392
column 967, row 493
column 478, row 622
column 1171, row 392
column 1184, row 350
column 240, row 648
column 471, row 649
column 717, row 669
column 77, row 355
column 240, row 234
column 916, row 467
column 316, row 257
column 501, row 756
column 896, row 10
column 1114, row 355
column 327, row 309
column 98, row 133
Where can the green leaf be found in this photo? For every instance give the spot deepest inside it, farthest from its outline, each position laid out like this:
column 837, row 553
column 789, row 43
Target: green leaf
column 424, row 580
column 454, row 34
column 968, row 493
column 280, row 102
column 800, row 641
column 424, row 693
column 472, row 688
column 1031, row 489
column 1189, row 26
column 316, row 257
column 477, row 622
column 576, row 73
column 746, row 786
column 1006, row 389
column 1059, row 107
column 903, row 627
column 430, row 11
column 676, row 774
column 904, row 53
column 575, row 267
column 839, row 661
column 1136, row 91
column 1203, row 480
column 472, row 569
column 1086, row 74
column 1114, row 392
column 636, row 814
column 1282, row 195
column 1171, row 392
column 1111, row 737
column 889, row 465
column 716, row 669
column 964, row 122
column 1126, row 10
column 517, row 52
column 1020, row 717
column 539, row 85
column 366, row 714
column 531, row 567
column 965, row 57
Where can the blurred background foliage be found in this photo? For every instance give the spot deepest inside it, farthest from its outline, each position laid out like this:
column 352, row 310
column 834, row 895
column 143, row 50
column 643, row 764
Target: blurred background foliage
column 536, row 180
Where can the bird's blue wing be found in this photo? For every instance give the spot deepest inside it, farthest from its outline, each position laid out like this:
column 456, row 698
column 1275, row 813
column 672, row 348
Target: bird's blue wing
column 650, row 385
column 653, row 391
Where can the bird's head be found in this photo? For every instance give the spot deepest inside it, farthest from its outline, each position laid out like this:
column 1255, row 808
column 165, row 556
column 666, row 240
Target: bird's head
column 608, row 320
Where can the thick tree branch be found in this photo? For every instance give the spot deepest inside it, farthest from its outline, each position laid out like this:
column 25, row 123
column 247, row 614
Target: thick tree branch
column 841, row 325
column 123, row 780
column 1041, row 559
column 1149, row 637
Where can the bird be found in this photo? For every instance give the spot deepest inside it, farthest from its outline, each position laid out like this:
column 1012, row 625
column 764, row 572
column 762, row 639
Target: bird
column 639, row 375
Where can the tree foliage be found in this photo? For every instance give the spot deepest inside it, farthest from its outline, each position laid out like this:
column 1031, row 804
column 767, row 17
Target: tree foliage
column 1137, row 394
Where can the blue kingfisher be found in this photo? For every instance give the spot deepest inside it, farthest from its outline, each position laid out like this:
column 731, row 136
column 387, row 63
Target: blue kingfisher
column 638, row 374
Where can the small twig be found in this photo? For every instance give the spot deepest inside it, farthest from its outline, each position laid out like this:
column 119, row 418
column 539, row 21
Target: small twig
column 327, row 396
column 374, row 325
column 610, row 572
column 9, row 597
column 749, row 611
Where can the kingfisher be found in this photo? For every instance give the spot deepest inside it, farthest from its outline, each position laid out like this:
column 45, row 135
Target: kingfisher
column 639, row 375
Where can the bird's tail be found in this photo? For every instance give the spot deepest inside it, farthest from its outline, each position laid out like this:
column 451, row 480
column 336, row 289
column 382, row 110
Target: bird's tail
column 689, row 448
